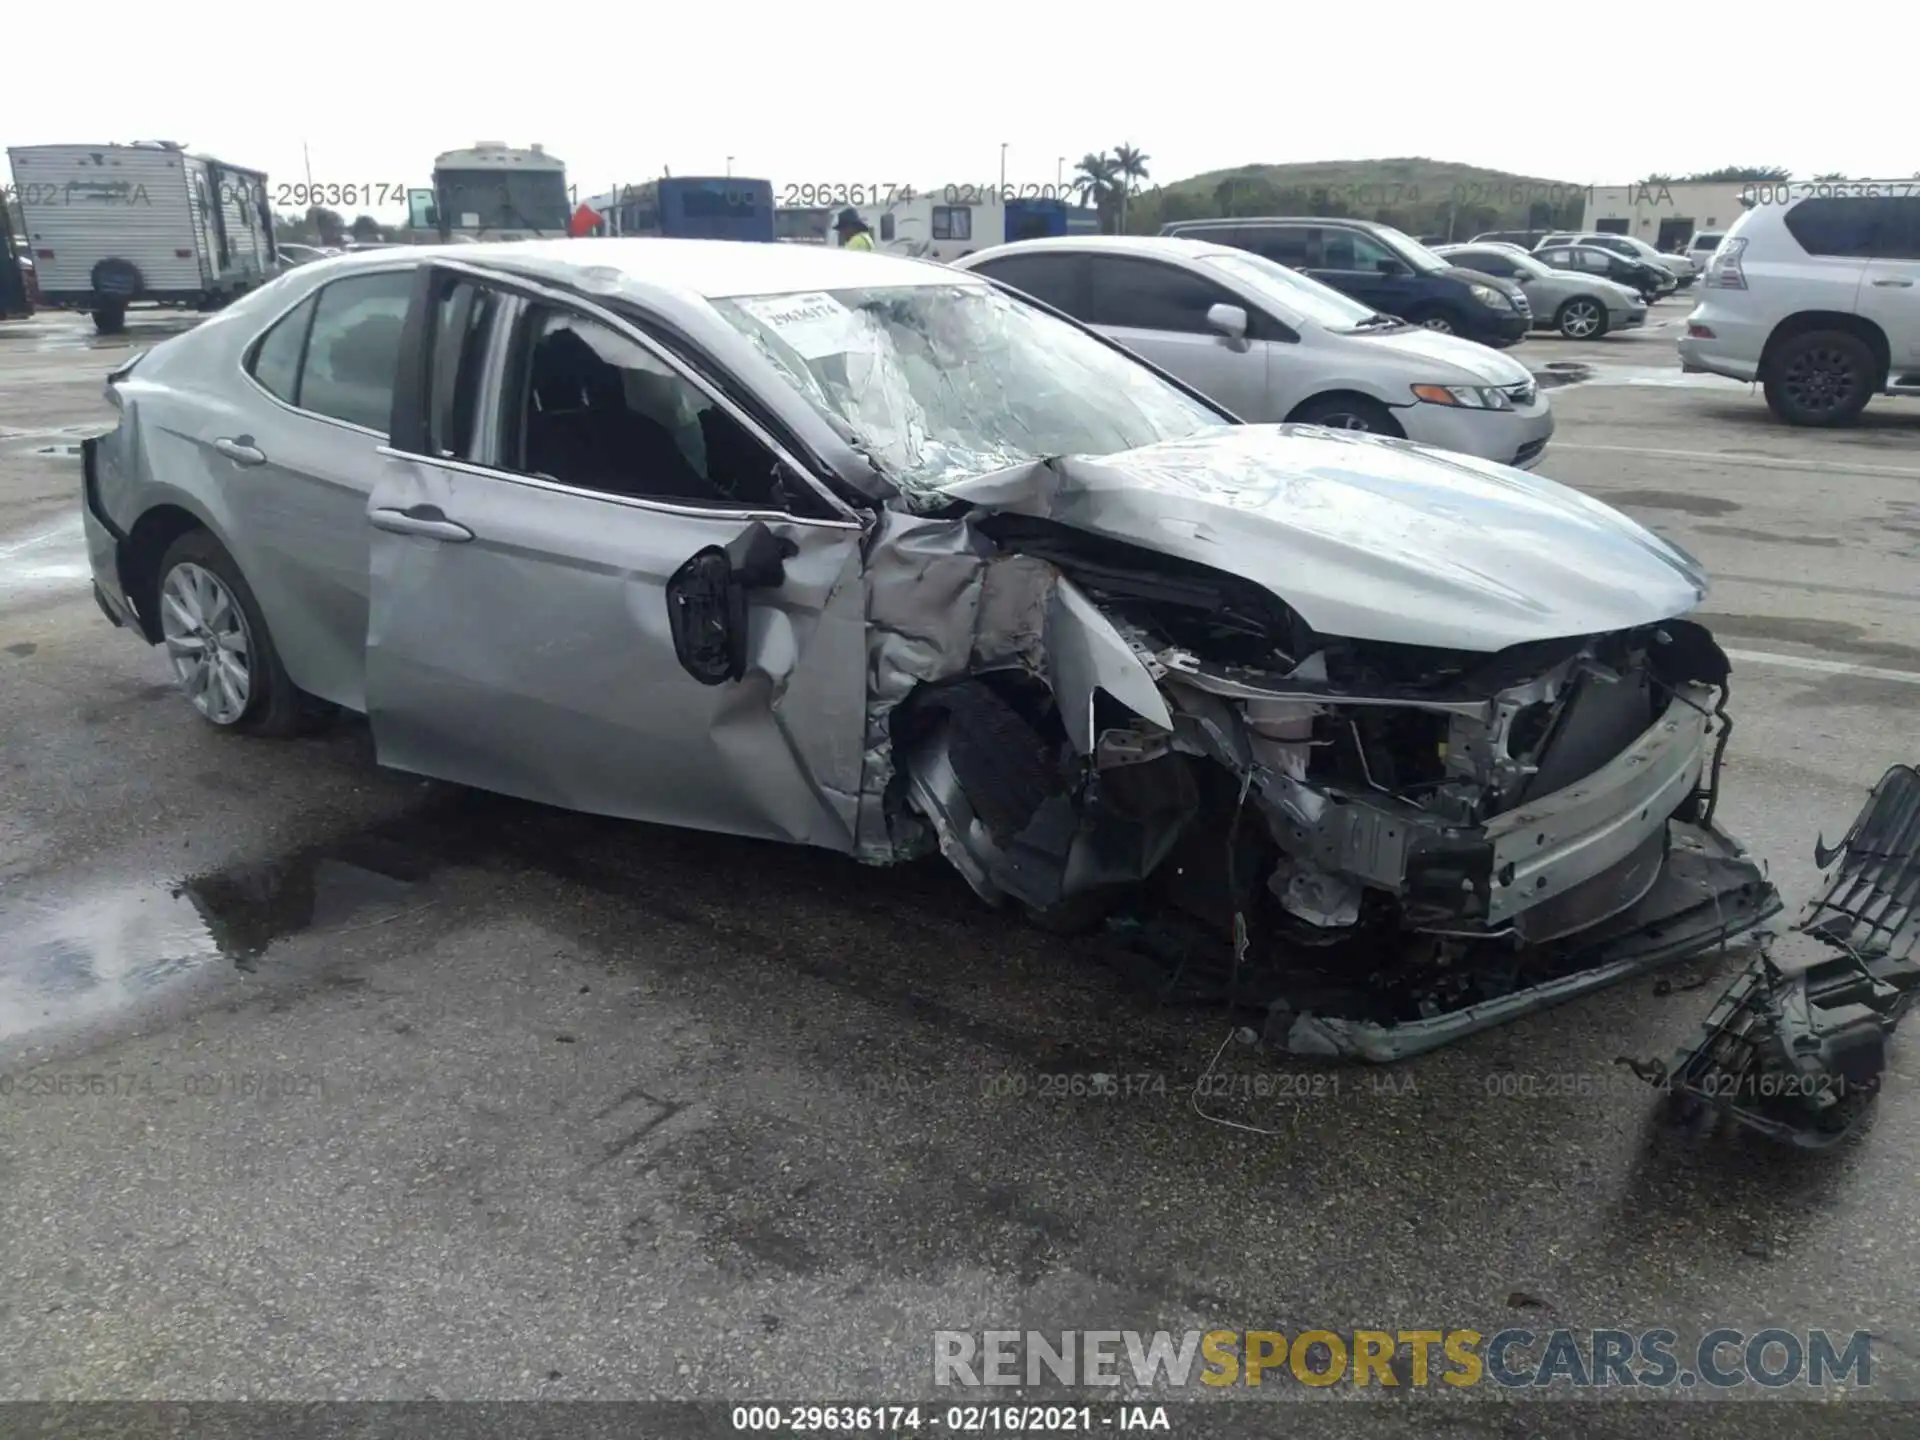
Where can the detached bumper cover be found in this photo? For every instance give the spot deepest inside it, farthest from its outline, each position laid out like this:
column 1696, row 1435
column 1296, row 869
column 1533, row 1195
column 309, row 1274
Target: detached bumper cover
column 1797, row 1051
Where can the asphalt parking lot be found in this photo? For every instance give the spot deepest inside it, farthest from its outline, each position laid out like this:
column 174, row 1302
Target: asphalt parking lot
column 419, row 1093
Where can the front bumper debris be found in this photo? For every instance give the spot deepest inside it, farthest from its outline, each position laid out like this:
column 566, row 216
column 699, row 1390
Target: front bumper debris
column 1708, row 894
column 1796, row 1051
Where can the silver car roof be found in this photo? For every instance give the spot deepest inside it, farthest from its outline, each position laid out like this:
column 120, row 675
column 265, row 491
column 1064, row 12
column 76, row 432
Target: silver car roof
column 707, row 269
column 1165, row 247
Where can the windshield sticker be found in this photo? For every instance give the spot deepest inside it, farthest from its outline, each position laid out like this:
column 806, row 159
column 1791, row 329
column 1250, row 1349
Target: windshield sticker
column 816, row 325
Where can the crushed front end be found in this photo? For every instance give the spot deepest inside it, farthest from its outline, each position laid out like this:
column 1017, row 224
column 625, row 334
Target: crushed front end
column 1383, row 847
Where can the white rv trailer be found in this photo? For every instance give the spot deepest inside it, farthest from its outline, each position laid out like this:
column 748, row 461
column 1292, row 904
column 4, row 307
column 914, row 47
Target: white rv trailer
column 109, row 226
column 950, row 221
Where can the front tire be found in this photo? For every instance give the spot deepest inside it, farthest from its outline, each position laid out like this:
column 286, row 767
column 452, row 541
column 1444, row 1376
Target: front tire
column 1821, row 377
column 218, row 643
column 1349, row 412
column 1438, row 321
column 1581, row 318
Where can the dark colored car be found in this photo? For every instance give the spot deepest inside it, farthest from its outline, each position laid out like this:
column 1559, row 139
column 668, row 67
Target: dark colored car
column 18, row 291
column 1650, row 280
column 1381, row 267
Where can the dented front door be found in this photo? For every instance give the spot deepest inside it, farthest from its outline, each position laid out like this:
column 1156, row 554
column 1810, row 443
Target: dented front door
column 519, row 641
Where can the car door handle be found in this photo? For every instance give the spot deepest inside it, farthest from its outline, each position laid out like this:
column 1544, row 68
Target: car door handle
column 241, row 450
column 427, row 520
column 1898, row 284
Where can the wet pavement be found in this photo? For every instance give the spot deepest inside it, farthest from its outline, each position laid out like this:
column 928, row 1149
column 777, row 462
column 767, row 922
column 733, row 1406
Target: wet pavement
column 318, row 1080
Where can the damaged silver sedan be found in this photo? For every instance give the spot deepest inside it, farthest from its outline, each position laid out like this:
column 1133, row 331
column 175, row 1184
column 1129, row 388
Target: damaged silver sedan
column 867, row 554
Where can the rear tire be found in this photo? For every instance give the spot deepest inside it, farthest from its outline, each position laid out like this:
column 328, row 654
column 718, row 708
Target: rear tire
column 1349, row 412
column 110, row 320
column 219, row 646
column 1820, row 377
column 1581, row 318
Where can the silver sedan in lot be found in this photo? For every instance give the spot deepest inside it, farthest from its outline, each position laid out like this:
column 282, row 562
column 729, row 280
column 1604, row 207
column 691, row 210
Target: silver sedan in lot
column 1580, row 307
column 1272, row 344
column 869, row 554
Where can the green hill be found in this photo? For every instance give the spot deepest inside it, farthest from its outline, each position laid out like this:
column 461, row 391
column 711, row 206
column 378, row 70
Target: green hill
column 1419, row 195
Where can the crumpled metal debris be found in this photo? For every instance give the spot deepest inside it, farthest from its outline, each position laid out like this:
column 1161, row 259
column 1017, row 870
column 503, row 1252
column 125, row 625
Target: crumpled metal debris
column 1796, row 1050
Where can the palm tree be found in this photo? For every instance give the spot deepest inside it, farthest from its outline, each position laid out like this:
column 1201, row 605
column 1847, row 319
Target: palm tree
column 1093, row 178
column 1129, row 168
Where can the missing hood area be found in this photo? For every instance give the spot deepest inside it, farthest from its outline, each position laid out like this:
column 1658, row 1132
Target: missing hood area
column 1364, row 849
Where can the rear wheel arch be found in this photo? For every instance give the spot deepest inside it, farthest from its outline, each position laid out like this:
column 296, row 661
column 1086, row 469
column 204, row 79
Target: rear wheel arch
column 140, row 555
column 1808, row 321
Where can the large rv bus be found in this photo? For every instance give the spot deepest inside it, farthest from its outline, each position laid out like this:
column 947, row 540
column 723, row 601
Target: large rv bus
column 495, row 192
column 109, row 226
column 690, row 207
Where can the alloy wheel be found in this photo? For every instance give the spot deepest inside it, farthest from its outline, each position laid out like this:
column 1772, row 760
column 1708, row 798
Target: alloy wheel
column 1343, row 420
column 1820, row 380
column 1437, row 323
column 1580, row 319
column 208, row 642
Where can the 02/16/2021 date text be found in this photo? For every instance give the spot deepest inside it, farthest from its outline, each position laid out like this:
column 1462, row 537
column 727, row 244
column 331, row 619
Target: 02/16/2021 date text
column 1002, row 194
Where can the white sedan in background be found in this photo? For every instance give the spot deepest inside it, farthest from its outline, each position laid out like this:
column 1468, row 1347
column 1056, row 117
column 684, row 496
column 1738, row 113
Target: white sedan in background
column 1273, row 345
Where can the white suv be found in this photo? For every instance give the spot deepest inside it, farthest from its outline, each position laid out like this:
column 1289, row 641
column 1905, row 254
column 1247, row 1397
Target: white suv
column 1817, row 297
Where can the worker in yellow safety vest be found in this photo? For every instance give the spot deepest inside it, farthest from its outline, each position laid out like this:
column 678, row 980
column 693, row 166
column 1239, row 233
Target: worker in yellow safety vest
column 853, row 231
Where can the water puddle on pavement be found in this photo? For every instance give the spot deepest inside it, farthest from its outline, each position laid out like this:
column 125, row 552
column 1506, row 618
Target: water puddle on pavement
column 1558, row 373
column 52, row 558
column 87, row 954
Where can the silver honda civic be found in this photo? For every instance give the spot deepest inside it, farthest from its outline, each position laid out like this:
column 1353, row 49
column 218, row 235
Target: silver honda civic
column 865, row 553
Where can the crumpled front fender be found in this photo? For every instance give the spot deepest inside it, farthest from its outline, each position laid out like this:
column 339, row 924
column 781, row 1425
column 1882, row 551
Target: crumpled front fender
column 1086, row 654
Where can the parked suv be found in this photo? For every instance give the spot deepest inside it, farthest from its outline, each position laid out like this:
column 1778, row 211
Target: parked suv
column 1274, row 346
column 1381, row 268
column 1818, row 299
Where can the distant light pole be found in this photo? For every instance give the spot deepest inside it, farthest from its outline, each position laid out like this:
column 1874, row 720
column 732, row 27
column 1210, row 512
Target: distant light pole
column 729, row 166
column 1058, row 166
column 1003, row 167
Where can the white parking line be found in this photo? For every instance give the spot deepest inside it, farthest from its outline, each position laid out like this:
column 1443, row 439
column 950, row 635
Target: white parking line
column 1821, row 667
column 66, row 529
column 1761, row 462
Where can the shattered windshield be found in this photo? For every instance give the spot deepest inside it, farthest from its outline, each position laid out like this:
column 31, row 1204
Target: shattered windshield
column 942, row 382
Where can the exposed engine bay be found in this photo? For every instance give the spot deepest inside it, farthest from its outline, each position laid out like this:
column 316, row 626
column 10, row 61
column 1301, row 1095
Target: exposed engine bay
column 1387, row 846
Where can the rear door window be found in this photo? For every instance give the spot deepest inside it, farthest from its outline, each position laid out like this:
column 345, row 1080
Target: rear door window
column 1352, row 250
column 353, row 348
column 1053, row 279
column 1136, row 294
column 1487, row 262
column 1285, row 244
column 276, row 358
column 1841, row 226
column 1899, row 237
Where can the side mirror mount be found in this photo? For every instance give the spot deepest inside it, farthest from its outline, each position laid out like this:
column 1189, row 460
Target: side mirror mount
column 707, row 602
column 1390, row 267
column 1229, row 320
column 758, row 557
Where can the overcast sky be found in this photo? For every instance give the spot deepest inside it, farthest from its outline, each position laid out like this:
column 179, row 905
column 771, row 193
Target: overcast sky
column 888, row 94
